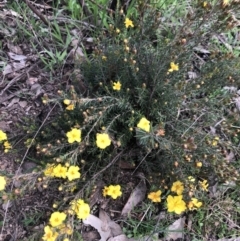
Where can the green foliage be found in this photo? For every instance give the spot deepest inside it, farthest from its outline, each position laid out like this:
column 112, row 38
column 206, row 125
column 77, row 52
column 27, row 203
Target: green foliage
column 184, row 107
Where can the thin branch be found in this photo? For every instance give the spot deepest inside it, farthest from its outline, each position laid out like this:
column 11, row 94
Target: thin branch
column 39, row 14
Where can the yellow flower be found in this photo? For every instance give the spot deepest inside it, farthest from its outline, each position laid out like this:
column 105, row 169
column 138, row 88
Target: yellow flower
column 75, row 204
column 7, row 145
column 215, row 141
column 2, row 183
column 67, row 102
column 3, row 136
column 81, row 208
column 83, row 211
column 155, row 196
column 190, row 206
column 225, row 3
column 74, row 135
column 73, row 173
column 60, row 171
column 176, row 204
column 104, row 58
column 128, row 23
column 48, row 172
column 198, row 164
column 105, row 191
column 205, row 4
column 204, row 185
column 191, row 179
column 194, row 204
column 66, row 229
column 57, row 218
column 117, row 86
column 114, row 191
column 117, row 30
column 177, row 187
column 103, row 140
column 70, row 107
column 144, row 124
column 49, row 235
column 173, row 67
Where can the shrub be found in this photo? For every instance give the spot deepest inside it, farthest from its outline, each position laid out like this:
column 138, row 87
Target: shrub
column 157, row 94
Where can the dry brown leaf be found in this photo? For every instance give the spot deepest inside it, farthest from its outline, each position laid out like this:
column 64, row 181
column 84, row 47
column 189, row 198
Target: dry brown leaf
column 77, row 54
column 97, row 224
column 75, row 43
column 13, row 101
column 23, row 103
column 32, row 80
column 36, row 89
column 230, row 156
column 14, row 67
column 103, row 216
column 202, row 50
column 6, row 205
column 4, row 126
column 17, row 57
column 115, row 229
column 108, row 224
column 15, row 49
column 12, row 13
column 175, row 230
column 136, row 197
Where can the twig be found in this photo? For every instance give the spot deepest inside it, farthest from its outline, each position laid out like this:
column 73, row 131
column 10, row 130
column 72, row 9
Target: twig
column 110, row 164
column 143, row 216
column 39, row 14
column 18, row 170
column 192, row 125
column 140, row 163
column 22, row 75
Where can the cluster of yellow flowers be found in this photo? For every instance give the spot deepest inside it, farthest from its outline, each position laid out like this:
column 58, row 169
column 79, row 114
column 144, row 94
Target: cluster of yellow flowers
column 114, row 191
column 80, row 208
column 69, row 104
column 6, row 144
column 102, row 139
column 57, row 227
column 71, row 172
column 176, row 203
